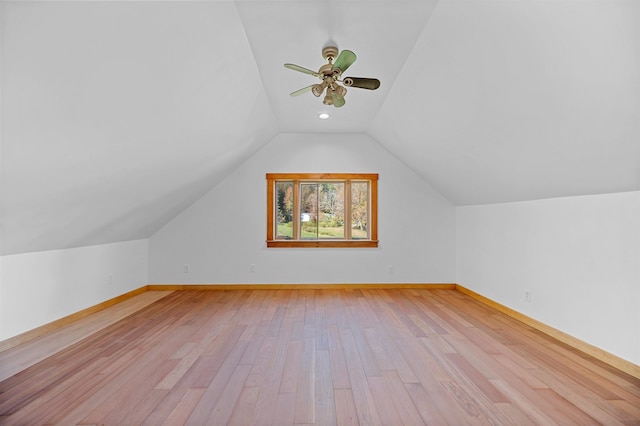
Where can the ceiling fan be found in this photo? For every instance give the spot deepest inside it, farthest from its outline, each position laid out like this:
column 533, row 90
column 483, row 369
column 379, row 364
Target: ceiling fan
column 331, row 74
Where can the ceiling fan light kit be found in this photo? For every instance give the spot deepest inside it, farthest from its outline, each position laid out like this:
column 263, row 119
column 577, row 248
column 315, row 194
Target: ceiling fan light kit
column 331, row 75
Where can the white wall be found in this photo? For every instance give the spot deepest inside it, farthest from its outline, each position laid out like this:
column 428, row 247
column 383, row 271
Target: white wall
column 225, row 231
column 579, row 256
column 41, row 287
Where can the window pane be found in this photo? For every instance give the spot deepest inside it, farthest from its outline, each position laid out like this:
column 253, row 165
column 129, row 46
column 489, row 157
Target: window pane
column 359, row 211
column 331, row 210
column 309, row 211
column 284, row 210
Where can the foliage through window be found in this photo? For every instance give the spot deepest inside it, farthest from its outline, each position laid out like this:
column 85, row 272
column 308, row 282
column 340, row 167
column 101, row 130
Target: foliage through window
column 322, row 210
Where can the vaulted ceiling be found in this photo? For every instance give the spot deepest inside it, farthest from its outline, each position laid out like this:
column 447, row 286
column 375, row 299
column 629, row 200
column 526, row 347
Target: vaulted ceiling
column 117, row 115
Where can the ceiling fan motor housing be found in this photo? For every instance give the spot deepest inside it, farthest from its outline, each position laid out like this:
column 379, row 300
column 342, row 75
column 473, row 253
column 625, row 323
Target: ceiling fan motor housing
column 325, row 70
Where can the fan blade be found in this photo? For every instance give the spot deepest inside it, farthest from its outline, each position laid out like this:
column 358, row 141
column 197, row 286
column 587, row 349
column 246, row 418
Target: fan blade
column 301, row 91
column 337, row 101
column 344, row 60
column 362, row 83
column 301, row 69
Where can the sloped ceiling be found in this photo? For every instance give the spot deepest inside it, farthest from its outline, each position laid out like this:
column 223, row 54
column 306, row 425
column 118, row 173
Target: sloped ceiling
column 518, row 100
column 117, row 115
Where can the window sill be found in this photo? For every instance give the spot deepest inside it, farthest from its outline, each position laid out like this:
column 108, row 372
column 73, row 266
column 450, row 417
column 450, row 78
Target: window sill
column 322, row 244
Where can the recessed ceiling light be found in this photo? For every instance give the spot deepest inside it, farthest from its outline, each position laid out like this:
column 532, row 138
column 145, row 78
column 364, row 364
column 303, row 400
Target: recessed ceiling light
column 323, row 116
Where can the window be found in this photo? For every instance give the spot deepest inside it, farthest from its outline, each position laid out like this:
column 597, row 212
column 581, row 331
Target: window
column 322, row 210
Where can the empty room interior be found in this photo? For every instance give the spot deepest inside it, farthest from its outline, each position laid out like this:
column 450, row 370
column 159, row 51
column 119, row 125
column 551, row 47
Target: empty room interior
column 328, row 212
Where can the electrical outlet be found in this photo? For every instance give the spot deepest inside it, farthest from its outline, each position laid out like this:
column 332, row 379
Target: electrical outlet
column 252, row 267
column 390, row 269
column 185, row 269
column 527, row 295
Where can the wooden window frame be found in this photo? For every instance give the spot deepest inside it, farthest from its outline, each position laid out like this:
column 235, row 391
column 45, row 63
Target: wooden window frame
column 296, row 178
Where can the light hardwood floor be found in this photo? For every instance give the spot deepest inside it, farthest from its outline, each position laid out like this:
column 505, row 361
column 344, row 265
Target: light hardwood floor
column 349, row 356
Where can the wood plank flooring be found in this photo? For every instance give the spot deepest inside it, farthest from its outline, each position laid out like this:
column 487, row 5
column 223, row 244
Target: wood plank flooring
column 330, row 356
column 35, row 350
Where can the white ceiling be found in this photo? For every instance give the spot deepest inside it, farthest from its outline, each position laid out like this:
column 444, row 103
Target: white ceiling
column 117, row 115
